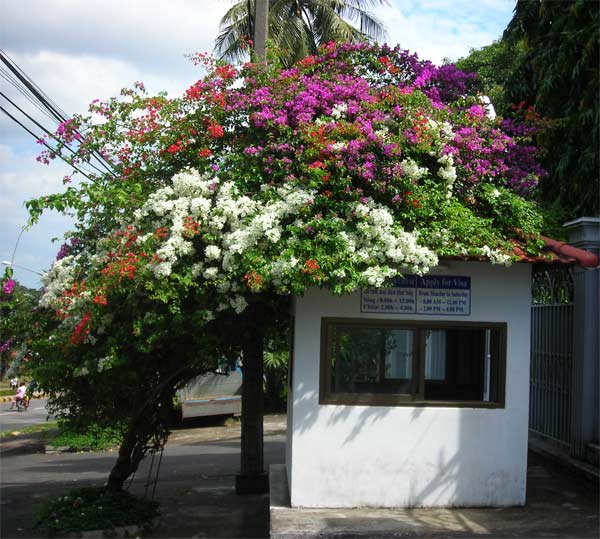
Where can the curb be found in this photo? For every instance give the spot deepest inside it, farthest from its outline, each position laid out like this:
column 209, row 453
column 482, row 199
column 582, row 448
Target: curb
column 55, row 450
column 9, row 398
column 133, row 530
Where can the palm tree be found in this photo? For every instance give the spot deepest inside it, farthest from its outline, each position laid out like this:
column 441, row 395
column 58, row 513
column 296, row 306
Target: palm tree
column 298, row 27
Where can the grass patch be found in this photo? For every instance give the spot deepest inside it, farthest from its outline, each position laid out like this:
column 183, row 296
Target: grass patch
column 232, row 422
column 32, row 429
column 7, row 392
column 93, row 508
column 94, row 438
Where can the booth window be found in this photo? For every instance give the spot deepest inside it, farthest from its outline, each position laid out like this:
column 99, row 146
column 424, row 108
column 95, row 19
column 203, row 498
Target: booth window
column 387, row 363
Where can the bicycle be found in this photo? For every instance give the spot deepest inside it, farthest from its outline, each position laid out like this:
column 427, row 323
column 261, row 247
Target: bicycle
column 22, row 404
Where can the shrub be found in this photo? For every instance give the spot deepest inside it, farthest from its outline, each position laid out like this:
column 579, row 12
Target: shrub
column 93, row 508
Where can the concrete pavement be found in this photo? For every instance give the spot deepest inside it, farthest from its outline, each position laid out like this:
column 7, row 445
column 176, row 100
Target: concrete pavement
column 557, row 506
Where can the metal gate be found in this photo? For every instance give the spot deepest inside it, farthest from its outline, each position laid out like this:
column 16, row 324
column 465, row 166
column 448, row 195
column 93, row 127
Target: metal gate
column 551, row 355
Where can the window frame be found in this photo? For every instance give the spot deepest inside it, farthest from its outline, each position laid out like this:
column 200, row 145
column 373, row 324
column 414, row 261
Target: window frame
column 415, row 399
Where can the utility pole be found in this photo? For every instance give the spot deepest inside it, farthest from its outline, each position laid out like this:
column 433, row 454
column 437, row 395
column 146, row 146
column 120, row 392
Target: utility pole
column 252, row 478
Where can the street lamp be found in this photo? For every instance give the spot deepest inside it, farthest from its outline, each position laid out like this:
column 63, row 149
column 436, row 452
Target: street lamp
column 12, row 264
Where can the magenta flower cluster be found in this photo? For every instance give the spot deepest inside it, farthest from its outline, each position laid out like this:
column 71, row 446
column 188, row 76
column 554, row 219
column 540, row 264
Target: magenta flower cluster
column 362, row 109
column 8, row 287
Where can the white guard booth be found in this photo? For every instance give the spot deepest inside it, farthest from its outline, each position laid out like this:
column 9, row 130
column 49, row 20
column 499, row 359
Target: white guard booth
column 415, row 395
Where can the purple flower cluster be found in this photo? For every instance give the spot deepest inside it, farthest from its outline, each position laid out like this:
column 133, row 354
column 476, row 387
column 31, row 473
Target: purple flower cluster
column 6, row 345
column 354, row 112
column 67, row 248
column 490, row 153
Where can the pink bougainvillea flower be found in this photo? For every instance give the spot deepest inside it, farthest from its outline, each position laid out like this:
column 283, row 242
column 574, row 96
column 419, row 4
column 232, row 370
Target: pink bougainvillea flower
column 8, row 286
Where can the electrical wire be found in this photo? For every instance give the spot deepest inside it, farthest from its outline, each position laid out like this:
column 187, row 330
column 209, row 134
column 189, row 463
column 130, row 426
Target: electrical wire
column 10, row 79
column 2, row 109
column 43, row 103
column 40, row 126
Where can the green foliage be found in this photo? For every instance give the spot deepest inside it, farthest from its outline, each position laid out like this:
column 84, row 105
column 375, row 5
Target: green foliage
column 494, row 65
column 92, row 437
column 559, row 75
column 93, row 508
column 548, row 59
column 18, row 322
column 275, row 375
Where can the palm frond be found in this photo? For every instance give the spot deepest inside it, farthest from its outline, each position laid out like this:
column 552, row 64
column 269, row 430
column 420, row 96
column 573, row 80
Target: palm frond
column 298, row 27
column 357, row 11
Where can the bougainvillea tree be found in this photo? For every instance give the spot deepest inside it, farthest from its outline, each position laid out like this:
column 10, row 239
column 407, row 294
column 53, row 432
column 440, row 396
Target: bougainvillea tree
column 345, row 170
column 18, row 317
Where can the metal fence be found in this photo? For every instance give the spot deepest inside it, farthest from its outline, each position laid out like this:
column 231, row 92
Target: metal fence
column 551, row 368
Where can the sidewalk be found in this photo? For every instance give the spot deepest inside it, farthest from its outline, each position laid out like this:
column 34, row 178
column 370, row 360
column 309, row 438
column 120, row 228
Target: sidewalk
column 558, row 506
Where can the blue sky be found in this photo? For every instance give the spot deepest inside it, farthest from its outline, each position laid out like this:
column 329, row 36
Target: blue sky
column 78, row 51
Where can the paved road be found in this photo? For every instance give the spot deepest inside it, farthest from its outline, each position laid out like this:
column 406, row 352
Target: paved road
column 196, row 488
column 11, row 420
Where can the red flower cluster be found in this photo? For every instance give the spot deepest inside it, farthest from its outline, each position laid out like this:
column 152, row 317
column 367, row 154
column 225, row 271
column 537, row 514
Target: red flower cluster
column 100, row 299
column 421, row 128
column 75, row 291
column 204, row 152
column 215, row 130
column 195, row 91
column 317, row 164
column 126, row 237
column 253, row 280
column 308, row 61
column 81, row 330
column 312, row 268
column 190, row 226
column 388, row 65
column 161, row 232
column 122, row 267
column 174, row 148
column 226, row 71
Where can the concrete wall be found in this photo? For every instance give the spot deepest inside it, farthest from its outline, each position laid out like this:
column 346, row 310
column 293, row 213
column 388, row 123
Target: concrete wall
column 350, row 456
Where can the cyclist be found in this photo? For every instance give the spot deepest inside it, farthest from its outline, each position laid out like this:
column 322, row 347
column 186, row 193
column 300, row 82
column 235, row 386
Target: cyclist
column 20, row 395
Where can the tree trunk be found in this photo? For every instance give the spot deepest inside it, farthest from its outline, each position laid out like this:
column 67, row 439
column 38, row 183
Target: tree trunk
column 261, row 28
column 147, row 430
column 252, row 478
column 131, row 453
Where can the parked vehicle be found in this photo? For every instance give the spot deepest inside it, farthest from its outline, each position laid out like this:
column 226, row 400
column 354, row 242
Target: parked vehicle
column 218, row 393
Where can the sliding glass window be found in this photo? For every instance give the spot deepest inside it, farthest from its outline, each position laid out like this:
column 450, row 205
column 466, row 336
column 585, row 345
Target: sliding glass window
column 385, row 362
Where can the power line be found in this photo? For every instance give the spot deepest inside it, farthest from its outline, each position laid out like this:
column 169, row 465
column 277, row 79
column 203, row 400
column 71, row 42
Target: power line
column 40, row 126
column 2, row 109
column 60, row 115
column 45, row 104
column 9, row 78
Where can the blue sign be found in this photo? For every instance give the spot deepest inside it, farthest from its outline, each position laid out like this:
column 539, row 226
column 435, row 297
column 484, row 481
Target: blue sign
column 412, row 294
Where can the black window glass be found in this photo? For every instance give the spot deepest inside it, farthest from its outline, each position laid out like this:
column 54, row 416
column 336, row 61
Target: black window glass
column 372, row 360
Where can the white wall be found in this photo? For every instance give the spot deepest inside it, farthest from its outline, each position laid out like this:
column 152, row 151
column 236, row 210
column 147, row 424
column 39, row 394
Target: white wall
column 351, row 456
